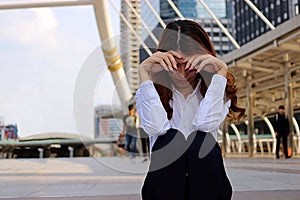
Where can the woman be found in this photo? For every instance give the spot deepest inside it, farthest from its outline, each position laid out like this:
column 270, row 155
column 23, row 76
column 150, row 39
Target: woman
column 185, row 94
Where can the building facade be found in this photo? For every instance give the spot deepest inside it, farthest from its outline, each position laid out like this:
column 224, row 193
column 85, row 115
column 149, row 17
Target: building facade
column 110, row 127
column 188, row 8
column 247, row 25
column 148, row 17
column 108, row 122
column 192, row 9
column 221, row 42
column 129, row 44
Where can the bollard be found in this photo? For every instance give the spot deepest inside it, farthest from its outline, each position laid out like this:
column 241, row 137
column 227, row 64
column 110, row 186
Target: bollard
column 71, row 150
column 41, row 151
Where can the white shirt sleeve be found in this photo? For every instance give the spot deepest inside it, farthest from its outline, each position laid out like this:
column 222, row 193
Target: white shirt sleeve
column 153, row 117
column 212, row 109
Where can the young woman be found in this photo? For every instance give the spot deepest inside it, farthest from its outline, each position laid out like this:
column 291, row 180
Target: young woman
column 185, row 94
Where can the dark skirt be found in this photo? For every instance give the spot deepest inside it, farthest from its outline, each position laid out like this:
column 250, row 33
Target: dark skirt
column 189, row 169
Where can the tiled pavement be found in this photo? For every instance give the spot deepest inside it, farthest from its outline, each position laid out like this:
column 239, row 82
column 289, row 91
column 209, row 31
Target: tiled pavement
column 114, row 178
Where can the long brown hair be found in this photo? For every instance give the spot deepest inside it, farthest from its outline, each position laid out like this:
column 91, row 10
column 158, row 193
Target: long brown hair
column 190, row 38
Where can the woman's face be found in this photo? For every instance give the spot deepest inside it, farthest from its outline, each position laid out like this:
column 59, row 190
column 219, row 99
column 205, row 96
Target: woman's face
column 181, row 77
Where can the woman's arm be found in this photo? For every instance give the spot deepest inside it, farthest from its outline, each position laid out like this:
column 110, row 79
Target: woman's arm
column 153, row 116
column 213, row 108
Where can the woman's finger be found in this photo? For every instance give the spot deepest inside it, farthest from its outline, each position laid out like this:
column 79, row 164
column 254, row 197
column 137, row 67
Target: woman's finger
column 189, row 59
column 168, row 59
column 177, row 55
column 163, row 64
column 172, row 60
column 196, row 62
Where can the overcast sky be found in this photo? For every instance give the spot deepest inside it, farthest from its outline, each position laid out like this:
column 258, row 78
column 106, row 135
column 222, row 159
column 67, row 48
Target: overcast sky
column 42, row 51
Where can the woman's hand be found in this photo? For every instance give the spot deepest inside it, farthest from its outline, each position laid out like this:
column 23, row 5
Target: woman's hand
column 161, row 61
column 157, row 62
column 207, row 63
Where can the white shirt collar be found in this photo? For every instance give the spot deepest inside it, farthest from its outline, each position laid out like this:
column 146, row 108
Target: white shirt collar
column 195, row 91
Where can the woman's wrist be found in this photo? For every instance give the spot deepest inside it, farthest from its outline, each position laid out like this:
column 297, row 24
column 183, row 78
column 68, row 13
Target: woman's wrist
column 222, row 73
column 144, row 74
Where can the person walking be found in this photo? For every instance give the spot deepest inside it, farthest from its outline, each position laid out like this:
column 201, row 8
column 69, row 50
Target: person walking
column 282, row 130
column 184, row 96
column 145, row 143
column 121, row 142
column 130, row 130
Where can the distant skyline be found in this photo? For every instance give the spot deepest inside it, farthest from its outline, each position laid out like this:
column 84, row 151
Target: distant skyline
column 41, row 53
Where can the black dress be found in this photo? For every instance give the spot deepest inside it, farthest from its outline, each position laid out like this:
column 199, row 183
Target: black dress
column 189, row 169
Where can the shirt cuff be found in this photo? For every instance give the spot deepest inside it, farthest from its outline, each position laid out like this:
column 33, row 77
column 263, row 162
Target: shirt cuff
column 148, row 91
column 217, row 85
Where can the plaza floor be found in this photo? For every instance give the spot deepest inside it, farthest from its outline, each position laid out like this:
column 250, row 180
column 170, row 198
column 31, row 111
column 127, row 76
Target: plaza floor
column 115, row 178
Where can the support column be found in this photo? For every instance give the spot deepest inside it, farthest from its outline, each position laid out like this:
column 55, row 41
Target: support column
column 288, row 89
column 224, row 139
column 250, row 105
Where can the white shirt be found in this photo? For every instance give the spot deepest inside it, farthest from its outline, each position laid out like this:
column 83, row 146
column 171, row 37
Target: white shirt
column 190, row 114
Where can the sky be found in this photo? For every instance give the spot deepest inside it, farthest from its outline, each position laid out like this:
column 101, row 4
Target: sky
column 42, row 52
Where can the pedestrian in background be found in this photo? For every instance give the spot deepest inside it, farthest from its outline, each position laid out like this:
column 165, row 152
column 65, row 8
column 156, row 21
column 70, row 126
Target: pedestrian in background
column 282, row 130
column 130, row 130
column 121, row 142
column 145, row 143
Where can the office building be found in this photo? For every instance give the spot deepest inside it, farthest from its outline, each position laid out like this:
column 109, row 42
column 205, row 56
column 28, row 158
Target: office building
column 221, row 42
column 148, row 16
column 219, row 8
column 111, row 127
column 108, row 121
column 246, row 23
column 192, row 9
column 188, row 8
column 129, row 44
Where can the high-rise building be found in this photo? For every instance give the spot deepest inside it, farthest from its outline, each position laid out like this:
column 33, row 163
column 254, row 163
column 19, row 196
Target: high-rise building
column 111, row 127
column 107, row 121
column 221, row 42
column 246, row 23
column 193, row 9
column 219, row 8
column 148, row 17
column 129, row 44
column 124, row 38
column 188, row 8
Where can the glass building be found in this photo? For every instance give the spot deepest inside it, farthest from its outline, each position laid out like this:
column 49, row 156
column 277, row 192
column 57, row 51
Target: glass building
column 129, row 44
column 188, row 8
column 247, row 25
column 218, row 7
column 107, row 121
column 148, row 16
column 193, row 9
